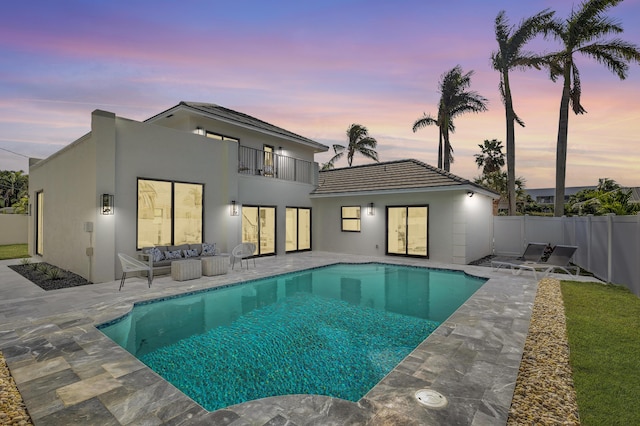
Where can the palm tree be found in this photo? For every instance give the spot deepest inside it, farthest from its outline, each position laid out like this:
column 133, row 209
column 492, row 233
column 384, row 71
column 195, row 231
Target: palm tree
column 359, row 142
column 427, row 120
column 583, row 32
column 491, row 158
column 456, row 100
column 510, row 55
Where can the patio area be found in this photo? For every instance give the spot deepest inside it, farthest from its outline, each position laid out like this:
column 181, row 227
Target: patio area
column 70, row 373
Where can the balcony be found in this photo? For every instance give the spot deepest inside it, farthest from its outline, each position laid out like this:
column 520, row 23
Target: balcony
column 254, row 162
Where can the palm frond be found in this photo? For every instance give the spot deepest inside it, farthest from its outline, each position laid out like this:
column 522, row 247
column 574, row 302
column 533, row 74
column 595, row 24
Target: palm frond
column 576, row 91
column 614, row 54
column 425, row 121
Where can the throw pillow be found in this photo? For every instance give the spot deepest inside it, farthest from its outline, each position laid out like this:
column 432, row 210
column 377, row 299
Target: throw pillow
column 190, row 253
column 170, row 255
column 208, row 249
column 156, row 254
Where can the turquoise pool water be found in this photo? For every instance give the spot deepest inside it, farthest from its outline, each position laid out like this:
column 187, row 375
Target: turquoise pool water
column 333, row 331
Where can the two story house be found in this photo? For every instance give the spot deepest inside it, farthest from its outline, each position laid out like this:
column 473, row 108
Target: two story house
column 200, row 172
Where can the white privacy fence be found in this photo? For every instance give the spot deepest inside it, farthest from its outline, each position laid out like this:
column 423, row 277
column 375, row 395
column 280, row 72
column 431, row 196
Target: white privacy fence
column 608, row 246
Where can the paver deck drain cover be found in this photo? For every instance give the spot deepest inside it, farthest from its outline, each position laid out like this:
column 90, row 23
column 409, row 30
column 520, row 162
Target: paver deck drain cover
column 431, row 398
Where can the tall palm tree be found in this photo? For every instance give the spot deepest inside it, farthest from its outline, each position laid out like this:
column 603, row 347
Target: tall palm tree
column 428, row 120
column 456, row 100
column 359, row 142
column 510, row 55
column 584, row 33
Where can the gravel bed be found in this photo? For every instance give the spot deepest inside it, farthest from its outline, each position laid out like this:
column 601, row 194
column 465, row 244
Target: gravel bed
column 12, row 408
column 544, row 393
column 33, row 273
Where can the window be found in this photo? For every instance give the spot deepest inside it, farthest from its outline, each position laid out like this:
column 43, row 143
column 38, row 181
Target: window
column 169, row 213
column 298, row 232
column 220, row 137
column 259, row 227
column 268, row 161
column 407, row 230
column 351, row 219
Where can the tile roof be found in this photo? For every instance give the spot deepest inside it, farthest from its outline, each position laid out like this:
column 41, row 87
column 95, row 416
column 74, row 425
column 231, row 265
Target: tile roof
column 397, row 175
column 229, row 115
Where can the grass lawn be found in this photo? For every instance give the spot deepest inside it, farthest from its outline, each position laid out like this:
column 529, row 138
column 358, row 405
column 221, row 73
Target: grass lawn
column 13, row 251
column 603, row 326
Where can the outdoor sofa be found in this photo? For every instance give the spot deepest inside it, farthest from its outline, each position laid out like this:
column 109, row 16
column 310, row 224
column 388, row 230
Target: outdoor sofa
column 159, row 258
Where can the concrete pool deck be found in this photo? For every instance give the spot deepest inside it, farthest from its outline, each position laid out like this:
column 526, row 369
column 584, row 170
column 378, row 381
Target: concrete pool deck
column 70, row 373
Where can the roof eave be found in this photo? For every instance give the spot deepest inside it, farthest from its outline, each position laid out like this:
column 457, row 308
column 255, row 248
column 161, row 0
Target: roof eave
column 182, row 106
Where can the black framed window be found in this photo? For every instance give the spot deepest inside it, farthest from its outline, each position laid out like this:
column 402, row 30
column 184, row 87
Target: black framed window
column 350, row 217
column 169, row 213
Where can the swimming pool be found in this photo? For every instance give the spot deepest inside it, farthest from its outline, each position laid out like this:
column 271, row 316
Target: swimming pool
column 333, row 331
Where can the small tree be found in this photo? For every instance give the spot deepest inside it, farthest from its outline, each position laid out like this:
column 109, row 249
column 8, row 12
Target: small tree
column 491, row 159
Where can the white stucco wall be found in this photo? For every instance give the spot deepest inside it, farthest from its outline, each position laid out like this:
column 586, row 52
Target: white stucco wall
column 453, row 234
column 68, row 182
column 154, row 152
column 257, row 190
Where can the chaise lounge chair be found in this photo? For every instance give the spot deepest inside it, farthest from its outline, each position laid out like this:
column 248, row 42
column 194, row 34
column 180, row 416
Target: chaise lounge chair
column 559, row 258
column 129, row 264
column 532, row 254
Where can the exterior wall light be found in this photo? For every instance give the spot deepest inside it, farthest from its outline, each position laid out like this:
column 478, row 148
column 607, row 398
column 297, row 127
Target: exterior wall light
column 107, row 204
column 233, row 209
column 470, row 193
column 199, row 131
column 370, row 210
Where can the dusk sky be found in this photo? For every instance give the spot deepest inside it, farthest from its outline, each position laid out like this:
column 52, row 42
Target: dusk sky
column 311, row 67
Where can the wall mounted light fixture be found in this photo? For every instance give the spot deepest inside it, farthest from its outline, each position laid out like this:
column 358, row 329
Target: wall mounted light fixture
column 107, row 204
column 233, row 208
column 470, row 193
column 370, row 210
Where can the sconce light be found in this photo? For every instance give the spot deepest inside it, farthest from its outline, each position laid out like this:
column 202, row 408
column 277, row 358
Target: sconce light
column 370, row 209
column 233, row 209
column 470, row 193
column 107, row 204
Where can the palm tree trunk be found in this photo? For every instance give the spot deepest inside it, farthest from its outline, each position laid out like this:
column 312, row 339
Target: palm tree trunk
column 447, row 150
column 561, row 146
column 440, row 147
column 511, row 146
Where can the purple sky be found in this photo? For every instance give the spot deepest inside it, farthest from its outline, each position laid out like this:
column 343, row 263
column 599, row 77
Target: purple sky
column 310, row 67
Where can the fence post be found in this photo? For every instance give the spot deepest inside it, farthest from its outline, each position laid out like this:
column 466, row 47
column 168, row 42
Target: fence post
column 609, row 246
column 589, row 240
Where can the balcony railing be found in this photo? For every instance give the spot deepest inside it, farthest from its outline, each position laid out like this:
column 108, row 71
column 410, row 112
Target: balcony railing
column 253, row 161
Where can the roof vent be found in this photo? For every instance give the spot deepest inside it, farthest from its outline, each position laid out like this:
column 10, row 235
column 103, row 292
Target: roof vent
column 431, row 398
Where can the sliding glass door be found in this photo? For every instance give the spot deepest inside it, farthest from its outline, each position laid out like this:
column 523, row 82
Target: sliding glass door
column 259, row 227
column 407, row 230
column 298, row 232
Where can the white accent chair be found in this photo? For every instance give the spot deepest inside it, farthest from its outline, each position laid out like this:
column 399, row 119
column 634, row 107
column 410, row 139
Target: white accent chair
column 243, row 251
column 129, row 264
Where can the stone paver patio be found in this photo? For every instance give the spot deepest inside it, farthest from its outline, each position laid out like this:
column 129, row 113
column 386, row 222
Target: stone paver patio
column 69, row 373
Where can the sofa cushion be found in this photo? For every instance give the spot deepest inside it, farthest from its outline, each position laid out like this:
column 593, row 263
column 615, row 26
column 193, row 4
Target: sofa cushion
column 208, row 249
column 155, row 253
column 190, row 253
column 173, row 254
column 197, row 247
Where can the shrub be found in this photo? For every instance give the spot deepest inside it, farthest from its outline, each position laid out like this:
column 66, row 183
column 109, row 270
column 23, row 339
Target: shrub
column 43, row 268
column 55, row 273
column 25, row 261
